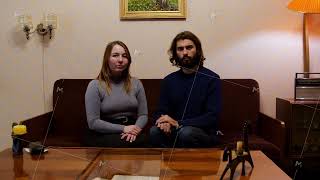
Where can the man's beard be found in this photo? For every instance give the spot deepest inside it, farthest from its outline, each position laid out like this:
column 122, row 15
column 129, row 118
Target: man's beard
column 188, row 62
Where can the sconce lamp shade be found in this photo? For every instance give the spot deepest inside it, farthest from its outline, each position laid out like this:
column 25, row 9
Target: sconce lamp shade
column 25, row 20
column 51, row 19
column 305, row 6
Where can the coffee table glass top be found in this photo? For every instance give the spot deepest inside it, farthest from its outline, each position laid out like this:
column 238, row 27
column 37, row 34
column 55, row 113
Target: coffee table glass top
column 109, row 163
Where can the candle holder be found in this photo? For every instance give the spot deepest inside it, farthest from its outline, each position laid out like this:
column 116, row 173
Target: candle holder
column 17, row 132
column 241, row 154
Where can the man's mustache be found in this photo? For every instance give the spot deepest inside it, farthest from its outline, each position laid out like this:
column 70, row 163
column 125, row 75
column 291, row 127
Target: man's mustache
column 186, row 58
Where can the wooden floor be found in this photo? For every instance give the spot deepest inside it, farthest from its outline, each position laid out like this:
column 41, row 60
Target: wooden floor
column 90, row 163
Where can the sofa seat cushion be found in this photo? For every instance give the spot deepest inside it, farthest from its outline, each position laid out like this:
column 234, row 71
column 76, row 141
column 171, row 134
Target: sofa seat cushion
column 64, row 141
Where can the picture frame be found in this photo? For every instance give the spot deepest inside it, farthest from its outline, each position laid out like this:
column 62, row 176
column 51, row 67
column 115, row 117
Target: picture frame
column 152, row 9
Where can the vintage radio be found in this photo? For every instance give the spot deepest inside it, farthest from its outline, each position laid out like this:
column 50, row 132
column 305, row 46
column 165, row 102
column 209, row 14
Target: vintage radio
column 307, row 86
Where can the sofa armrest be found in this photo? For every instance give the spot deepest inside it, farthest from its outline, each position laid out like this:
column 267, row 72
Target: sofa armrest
column 36, row 127
column 272, row 130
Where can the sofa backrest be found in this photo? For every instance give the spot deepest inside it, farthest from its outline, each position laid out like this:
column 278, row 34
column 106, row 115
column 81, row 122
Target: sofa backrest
column 69, row 107
column 240, row 102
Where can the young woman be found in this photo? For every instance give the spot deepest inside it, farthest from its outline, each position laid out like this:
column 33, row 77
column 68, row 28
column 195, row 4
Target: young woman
column 116, row 104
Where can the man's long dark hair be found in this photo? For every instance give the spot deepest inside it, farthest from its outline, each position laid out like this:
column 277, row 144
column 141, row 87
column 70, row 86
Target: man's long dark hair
column 181, row 36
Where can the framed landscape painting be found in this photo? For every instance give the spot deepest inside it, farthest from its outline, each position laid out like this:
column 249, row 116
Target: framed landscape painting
column 152, row 9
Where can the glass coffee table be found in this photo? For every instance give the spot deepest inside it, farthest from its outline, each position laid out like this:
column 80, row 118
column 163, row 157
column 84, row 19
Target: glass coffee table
column 141, row 163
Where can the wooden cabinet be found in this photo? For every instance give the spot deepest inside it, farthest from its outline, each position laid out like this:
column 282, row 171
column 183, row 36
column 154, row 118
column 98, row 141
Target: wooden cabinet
column 299, row 116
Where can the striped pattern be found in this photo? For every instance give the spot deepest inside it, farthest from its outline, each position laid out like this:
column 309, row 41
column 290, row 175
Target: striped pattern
column 305, row 6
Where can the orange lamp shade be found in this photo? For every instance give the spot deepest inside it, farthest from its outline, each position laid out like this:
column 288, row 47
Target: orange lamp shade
column 305, row 6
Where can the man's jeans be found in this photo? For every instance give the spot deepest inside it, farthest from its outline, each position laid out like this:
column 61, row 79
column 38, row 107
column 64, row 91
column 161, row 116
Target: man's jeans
column 185, row 137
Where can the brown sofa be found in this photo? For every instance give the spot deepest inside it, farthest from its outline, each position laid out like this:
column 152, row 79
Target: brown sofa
column 240, row 102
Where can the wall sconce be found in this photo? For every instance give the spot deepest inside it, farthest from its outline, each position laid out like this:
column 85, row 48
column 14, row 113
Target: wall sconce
column 45, row 27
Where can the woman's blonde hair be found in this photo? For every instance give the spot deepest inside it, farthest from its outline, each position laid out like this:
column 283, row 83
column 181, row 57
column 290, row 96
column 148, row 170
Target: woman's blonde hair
column 105, row 72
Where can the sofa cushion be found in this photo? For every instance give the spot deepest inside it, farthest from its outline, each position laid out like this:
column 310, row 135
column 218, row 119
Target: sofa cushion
column 64, row 141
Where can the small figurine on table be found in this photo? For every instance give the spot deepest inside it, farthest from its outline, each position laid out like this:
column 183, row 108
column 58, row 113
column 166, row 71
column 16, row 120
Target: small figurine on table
column 242, row 154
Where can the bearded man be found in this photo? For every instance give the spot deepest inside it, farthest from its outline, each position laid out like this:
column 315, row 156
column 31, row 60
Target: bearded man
column 190, row 99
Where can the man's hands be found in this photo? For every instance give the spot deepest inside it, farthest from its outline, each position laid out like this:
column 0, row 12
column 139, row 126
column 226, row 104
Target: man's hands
column 130, row 132
column 165, row 123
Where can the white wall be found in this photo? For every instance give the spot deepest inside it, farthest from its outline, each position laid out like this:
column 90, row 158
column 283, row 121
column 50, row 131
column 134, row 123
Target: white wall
column 258, row 39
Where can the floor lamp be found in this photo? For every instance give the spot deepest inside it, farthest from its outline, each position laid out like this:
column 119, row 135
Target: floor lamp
column 305, row 7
